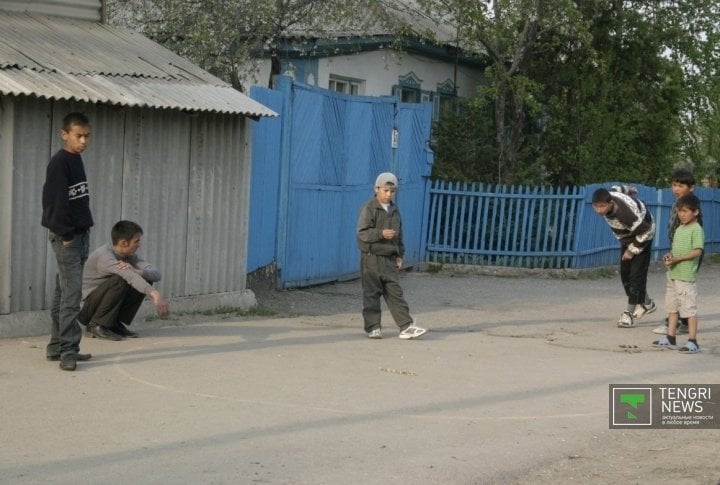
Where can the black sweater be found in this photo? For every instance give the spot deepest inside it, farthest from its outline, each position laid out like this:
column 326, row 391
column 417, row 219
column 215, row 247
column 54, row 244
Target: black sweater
column 65, row 197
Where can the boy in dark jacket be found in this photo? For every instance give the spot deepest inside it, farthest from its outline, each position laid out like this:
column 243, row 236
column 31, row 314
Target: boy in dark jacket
column 66, row 214
column 379, row 237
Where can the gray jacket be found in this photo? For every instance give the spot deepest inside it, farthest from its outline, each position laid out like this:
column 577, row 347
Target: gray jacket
column 102, row 264
column 373, row 219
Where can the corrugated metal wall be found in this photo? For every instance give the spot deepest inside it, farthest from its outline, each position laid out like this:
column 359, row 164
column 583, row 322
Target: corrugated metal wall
column 182, row 177
column 332, row 148
column 218, row 206
column 80, row 9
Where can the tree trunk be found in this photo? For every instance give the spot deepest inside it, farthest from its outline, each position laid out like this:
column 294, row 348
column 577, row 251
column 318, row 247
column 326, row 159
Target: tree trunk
column 500, row 135
column 516, row 137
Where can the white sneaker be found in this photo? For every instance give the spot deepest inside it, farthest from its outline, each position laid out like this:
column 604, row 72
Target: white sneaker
column 375, row 334
column 412, row 331
column 662, row 329
column 626, row 320
column 641, row 310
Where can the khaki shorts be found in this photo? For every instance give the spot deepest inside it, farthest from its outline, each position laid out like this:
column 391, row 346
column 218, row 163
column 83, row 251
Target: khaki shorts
column 681, row 297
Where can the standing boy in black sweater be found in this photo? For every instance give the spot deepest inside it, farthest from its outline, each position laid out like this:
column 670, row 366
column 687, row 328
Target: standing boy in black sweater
column 66, row 214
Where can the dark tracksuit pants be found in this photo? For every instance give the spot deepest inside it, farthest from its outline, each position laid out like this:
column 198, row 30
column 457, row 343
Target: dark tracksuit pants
column 112, row 302
column 379, row 278
column 633, row 274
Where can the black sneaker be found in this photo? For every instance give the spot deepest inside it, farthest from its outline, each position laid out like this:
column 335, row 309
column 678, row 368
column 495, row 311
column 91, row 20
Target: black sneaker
column 123, row 331
column 78, row 357
column 96, row 331
column 68, row 362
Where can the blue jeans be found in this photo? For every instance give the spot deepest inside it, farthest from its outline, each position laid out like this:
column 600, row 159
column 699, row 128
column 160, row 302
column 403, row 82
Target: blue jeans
column 65, row 332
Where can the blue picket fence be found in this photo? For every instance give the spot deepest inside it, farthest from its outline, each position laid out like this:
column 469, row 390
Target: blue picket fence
column 539, row 227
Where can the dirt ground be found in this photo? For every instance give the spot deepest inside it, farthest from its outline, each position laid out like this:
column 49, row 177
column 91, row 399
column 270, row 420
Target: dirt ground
column 562, row 313
column 509, row 386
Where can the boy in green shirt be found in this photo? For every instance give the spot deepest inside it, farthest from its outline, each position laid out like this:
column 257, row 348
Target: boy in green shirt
column 682, row 183
column 682, row 264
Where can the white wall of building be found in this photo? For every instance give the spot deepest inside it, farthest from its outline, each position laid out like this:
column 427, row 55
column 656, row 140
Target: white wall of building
column 381, row 70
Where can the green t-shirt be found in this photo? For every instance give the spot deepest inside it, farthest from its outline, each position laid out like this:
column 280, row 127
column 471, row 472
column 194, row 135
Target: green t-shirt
column 687, row 237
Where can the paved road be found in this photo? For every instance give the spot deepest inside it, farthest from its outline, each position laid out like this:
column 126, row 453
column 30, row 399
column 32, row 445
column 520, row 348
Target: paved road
column 509, row 386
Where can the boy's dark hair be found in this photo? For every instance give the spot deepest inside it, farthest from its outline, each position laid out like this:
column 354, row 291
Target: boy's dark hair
column 74, row 119
column 124, row 231
column 683, row 176
column 601, row 196
column 690, row 201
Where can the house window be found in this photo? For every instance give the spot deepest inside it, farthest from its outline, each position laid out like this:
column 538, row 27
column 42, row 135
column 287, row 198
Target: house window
column 446, row 104
column 345, row 85
column 445, row 99
column 408, row 89
column 409, row 95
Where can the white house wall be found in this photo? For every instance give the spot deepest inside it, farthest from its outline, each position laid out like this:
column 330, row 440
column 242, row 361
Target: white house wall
column 381, row 70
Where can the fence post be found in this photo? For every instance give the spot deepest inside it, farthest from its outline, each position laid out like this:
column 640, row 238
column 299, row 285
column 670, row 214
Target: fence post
column 425, row 220
column 579, row 226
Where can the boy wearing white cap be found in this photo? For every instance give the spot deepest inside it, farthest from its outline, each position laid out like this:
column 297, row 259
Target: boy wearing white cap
column 379, row 237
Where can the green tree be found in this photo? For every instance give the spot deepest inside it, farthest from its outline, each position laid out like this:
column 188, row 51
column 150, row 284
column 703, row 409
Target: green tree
column 508, row 32
column 596, row 89
column 461, row 147
column 612, row 103
column 695, row 48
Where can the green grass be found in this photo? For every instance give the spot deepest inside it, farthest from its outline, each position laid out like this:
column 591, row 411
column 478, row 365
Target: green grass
column 599, row 274
column 434, row 268
column 221, row 311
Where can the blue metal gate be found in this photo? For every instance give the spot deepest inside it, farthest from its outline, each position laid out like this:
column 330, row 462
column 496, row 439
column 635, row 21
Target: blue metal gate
column 322, row 156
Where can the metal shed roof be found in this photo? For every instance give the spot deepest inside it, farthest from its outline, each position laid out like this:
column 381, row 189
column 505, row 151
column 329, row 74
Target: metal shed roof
column 60, row 58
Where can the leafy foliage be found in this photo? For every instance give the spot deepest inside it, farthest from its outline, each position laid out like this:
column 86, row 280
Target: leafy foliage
column 593, row 90
column 577, row 91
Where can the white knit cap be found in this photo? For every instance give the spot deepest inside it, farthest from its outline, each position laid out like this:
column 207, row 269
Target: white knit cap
column 386, row 178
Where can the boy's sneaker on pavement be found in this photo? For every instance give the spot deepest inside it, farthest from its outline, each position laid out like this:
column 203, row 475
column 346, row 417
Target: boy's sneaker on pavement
column 664, row 343
column 626, row 320
column 412, row 331
column 376, row 334
column 662, row 329
column 690, row 348
column 641, row 310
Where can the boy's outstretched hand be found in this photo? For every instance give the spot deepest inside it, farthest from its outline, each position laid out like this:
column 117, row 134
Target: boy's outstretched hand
column 162, row 307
